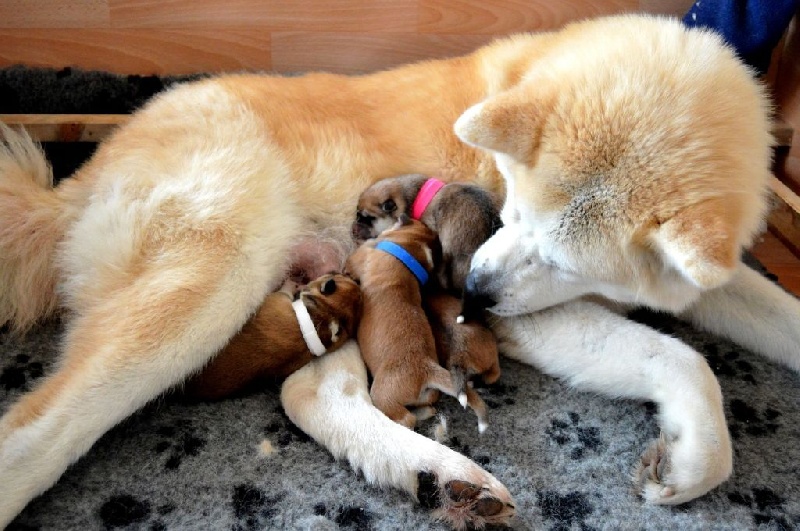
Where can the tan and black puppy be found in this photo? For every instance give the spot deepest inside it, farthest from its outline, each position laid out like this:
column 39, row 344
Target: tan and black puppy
column 273, row 344
column 396, row 341
column 463, row 215
column 467, row 349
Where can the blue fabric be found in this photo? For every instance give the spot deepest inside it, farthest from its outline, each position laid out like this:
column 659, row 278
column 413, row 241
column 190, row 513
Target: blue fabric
column 404, row 256
column 752, row 27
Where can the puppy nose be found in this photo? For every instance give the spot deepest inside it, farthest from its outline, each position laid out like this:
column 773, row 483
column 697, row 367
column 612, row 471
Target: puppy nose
column 476, row 298
column 357, row 231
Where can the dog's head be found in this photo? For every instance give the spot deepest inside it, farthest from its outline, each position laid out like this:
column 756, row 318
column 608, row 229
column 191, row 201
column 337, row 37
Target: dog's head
column 335, row 300
column 380, row 205
column 636, row 154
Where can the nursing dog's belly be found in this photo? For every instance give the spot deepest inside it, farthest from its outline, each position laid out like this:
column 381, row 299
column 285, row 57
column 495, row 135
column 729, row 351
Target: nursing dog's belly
column 315, row 255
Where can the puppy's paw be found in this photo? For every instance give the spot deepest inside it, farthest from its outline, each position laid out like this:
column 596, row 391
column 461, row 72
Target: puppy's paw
column 672, row 471
column 466, row 505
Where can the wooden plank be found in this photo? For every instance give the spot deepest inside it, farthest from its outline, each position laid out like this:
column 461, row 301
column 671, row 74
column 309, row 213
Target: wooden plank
column 676, row 8
column 784, row 220
column 786, row 195
column 508, row 16
column 351, row 53
column 274, row 15
column 50, row 14
column 778, row 259
column 138, row 51
column 66, row 127
column 783, row 133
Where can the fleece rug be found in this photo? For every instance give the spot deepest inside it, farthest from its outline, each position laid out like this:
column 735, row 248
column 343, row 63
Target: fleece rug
column 565, row 455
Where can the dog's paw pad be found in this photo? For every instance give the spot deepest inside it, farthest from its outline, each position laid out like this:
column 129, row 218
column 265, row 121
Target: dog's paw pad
column 461, row 491
column 428, row 490
column 488, row 506
column 652, row 471
column 465, row 505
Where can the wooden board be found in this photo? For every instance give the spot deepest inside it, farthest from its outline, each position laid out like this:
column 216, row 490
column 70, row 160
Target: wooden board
column 188, row 36
column 66, row 127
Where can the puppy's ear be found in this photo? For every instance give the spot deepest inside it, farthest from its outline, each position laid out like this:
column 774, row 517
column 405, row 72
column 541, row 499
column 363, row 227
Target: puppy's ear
column 509, row 123
column 701, row 242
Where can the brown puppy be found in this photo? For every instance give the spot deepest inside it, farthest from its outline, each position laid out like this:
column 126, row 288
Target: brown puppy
column 466, row 349
column 463, row 215
column 272, row 344
column 396, row 340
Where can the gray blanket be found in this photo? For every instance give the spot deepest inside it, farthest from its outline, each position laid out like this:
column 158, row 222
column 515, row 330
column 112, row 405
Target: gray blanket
column 565, row 455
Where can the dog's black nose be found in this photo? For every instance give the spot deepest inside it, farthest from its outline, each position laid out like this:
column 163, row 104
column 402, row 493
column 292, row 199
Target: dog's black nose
column 476, row 299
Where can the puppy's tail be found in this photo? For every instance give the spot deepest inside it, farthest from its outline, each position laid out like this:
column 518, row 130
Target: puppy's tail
column 32, row 221
column 458, row 375
column 454, row 383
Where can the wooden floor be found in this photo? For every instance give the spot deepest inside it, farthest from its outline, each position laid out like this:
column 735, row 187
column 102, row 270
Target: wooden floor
column 780, row 261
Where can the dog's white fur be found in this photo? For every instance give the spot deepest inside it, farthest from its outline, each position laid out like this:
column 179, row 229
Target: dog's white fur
column 329, row 400
column 164, row 243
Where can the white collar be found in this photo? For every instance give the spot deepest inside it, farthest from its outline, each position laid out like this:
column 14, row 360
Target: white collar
column 307, row 328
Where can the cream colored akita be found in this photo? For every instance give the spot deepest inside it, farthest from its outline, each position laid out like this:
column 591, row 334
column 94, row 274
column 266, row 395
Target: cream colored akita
column 635, row 154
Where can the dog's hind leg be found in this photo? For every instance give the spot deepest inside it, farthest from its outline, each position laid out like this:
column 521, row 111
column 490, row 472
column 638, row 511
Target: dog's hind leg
column 385, row 400
column 755, row 313
column 119, row 354
column 597, row 350
column 328, row 399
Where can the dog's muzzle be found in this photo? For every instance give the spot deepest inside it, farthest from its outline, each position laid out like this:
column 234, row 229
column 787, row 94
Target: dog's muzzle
column 361, row 231
column 477, row 297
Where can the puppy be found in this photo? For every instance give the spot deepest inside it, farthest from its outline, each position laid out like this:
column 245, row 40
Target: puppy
column 463, row 215
column 274, row 343
column 396, row 340
column 466, row 349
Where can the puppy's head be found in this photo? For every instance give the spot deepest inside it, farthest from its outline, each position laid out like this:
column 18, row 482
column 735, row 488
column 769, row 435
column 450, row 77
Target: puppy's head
column 380, row 205
column 334, row 304
column 624, row 176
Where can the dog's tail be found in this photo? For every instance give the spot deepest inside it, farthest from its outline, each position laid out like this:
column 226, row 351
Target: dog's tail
column 33, row 219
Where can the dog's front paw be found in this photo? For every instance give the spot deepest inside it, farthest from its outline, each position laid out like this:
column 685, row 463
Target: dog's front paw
column 673, row 471
column 464, row 504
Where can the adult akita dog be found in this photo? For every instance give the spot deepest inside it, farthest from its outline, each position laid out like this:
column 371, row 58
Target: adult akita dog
column 635, row 154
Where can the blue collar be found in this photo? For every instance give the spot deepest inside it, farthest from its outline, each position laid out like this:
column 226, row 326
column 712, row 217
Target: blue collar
column 404, row 256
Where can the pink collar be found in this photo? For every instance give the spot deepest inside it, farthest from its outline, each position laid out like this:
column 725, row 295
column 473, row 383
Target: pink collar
column 425, row 196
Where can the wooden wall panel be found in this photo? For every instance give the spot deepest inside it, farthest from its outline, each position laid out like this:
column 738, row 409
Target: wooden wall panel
column 141, row 51
column 271, row 15
column 357, row 53
column 666, row 7
column 53, row 14
column 509, row 16
column 182, row 36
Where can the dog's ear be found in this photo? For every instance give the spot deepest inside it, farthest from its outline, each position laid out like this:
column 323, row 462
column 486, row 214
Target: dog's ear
column 701, row 242
column 509, row 123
